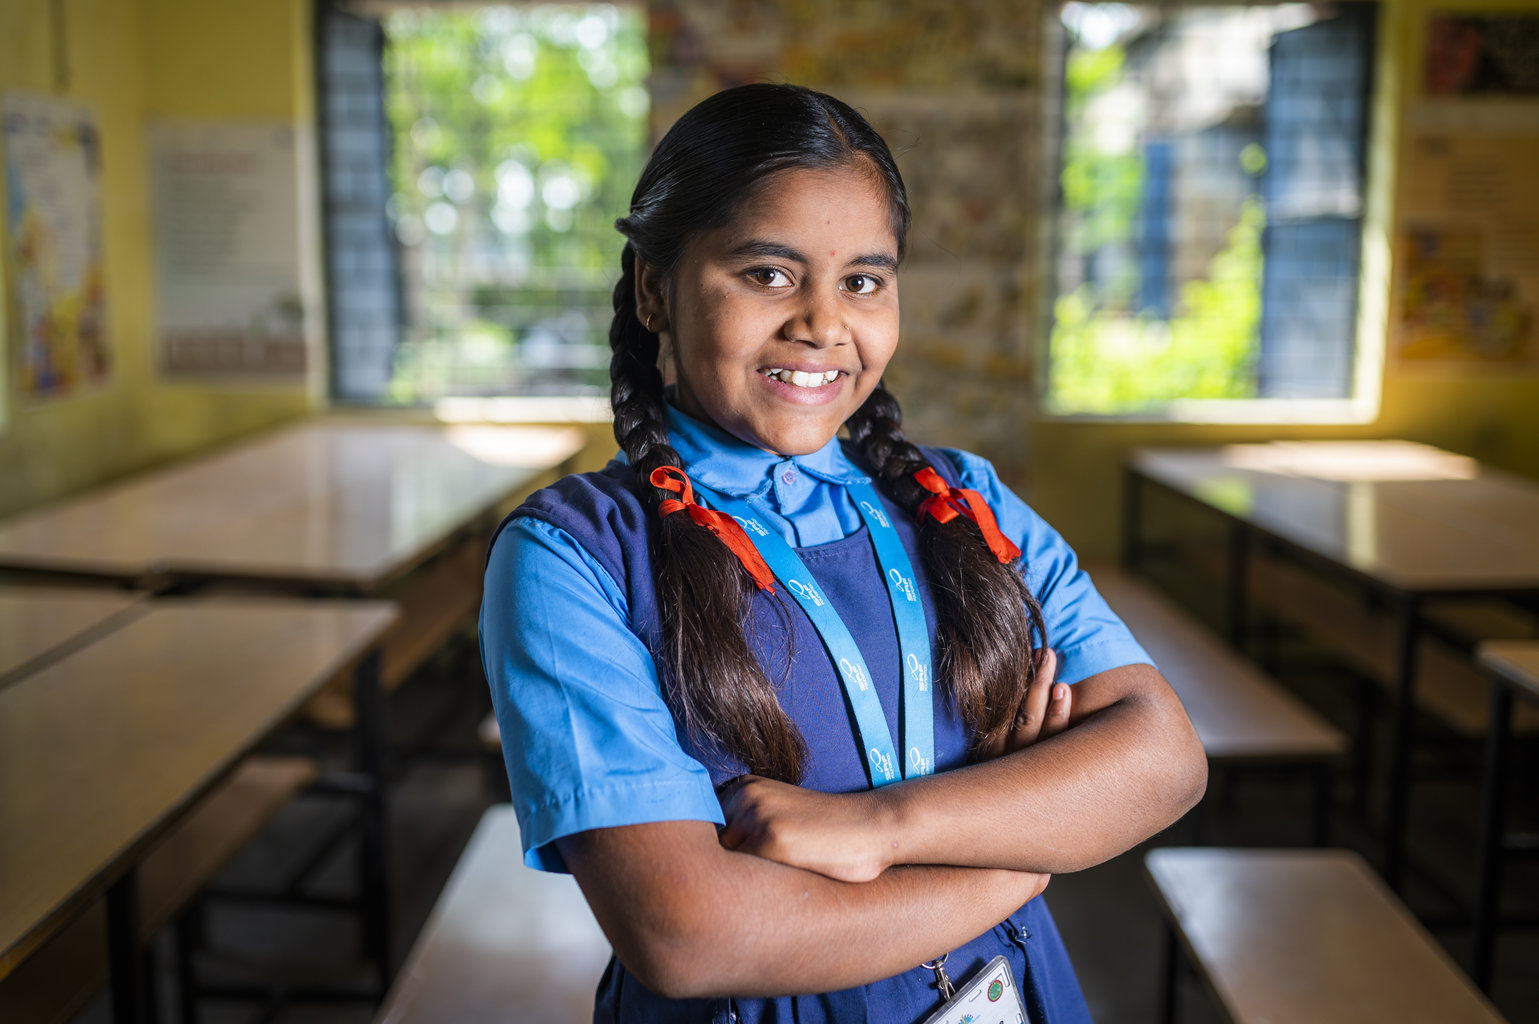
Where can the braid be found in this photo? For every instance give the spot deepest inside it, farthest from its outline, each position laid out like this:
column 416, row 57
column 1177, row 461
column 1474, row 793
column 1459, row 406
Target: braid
column 636, row 384
column 705, row 598
column 988, row 618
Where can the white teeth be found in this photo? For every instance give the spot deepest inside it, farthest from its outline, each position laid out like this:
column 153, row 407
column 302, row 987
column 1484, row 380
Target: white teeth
column 802, row 378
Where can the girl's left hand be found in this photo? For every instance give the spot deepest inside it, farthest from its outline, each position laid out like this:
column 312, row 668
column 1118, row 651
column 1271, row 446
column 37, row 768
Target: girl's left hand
column 834, row 834
column 1046, row 709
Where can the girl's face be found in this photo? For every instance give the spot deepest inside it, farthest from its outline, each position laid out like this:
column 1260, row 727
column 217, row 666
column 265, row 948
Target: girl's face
column 783, row 320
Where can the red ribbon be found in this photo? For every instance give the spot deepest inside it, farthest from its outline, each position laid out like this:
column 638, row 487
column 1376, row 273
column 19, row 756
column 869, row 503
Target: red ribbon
column 946, row 503
column 672, row 478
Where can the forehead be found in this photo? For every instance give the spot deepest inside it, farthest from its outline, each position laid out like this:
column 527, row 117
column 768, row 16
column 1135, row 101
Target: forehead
column 849, row 201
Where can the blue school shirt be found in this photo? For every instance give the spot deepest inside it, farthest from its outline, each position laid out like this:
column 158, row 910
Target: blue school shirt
column 589, row 739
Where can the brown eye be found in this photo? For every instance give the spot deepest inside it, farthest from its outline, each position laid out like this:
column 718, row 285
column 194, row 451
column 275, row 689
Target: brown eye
column 861, row 284
column 768, row 277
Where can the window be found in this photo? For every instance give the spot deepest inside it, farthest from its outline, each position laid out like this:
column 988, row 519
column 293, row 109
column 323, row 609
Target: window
column 1210, row 204
column 475, row 161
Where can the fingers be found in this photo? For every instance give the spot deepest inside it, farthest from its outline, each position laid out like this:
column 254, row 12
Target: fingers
column 734, row 810
column 1034, row 704
column 1040, row 701
column 1060, row 703
column 1047, row 664
column 1058, row 708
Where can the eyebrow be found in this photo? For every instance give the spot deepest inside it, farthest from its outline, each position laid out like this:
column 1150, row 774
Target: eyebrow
column 762, row 249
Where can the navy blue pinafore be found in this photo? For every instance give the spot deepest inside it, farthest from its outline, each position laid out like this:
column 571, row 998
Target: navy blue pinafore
column 604, row 514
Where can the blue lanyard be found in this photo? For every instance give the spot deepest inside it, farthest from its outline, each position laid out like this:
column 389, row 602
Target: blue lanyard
column 918, row 717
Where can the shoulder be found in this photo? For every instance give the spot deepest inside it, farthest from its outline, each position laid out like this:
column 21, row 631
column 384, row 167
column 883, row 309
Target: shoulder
column 609, row 494
column 971, row 471
column 1045, row 554
column 601, row 511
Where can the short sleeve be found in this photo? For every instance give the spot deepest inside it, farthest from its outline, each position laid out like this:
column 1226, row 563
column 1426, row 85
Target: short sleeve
column 1082, row 630
column 586, row 736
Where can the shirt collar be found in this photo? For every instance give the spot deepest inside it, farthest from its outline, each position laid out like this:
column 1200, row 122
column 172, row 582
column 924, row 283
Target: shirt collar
column 716, row 459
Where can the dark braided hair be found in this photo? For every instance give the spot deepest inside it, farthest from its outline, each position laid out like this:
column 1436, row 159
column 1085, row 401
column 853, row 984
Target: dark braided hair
column 706, row 167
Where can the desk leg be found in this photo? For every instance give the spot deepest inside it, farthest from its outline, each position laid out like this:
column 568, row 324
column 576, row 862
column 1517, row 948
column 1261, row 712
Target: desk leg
column 1132, row 514
column 1237, row 588
column 373, row 869
column 1488, row 866
column 1408, row 616
column 129, row 991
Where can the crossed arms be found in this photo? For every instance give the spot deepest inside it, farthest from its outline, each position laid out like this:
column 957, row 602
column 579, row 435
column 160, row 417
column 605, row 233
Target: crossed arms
column 786, row 897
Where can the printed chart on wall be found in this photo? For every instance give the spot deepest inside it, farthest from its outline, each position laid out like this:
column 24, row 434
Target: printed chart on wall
column 57, row 315
column 1468, row 246
column 228, row 282
column 5, row 348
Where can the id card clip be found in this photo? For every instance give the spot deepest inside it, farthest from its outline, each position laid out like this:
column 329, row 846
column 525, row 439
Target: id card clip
column 989, row 997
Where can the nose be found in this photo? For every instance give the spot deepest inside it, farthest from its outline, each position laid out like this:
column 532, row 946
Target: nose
column 820, row 319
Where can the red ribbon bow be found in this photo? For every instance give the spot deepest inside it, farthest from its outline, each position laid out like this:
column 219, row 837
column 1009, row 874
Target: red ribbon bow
column 672, row 478
column 946, row 503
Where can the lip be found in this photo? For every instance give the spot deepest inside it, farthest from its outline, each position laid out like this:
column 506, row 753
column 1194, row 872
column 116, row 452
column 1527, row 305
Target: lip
column 821, row 395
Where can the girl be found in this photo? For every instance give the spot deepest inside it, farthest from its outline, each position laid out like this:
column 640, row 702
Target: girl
column 712, row 661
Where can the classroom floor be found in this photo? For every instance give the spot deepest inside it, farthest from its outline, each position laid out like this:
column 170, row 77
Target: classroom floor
column 1108, row 915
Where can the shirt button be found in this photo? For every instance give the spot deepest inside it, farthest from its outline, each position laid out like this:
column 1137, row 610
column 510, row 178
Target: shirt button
column 789, row 476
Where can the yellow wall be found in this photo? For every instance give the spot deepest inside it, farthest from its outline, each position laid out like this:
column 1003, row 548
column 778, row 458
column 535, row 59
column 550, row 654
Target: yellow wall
column 1491, row 415
column 135, row 60
column 132, row 61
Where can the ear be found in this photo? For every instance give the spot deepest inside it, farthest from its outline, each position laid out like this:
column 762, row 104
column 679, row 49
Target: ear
column 651, row 297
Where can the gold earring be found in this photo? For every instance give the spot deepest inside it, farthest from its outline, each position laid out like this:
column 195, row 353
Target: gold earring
column 649, row 322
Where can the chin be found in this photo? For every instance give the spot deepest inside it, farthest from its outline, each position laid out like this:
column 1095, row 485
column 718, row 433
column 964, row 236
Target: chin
column 791, row 439
column 796, row 446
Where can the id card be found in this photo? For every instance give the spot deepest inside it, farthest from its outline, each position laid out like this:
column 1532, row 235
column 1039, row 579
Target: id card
column 989, row 998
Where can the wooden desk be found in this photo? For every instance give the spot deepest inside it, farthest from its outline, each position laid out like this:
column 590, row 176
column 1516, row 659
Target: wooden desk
column 1408, row 521
column 37, row 621
column 105, row 747
column 326, row 504
column 1514, row 669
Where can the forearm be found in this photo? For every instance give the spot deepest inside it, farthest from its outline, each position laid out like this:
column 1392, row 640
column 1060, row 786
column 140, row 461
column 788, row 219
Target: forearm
column 1126, row 772
column 692, row 919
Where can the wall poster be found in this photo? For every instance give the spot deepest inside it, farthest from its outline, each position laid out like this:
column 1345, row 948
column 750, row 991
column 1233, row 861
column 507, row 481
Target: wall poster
column 228, row 266
column 1467, row 249
column 57, row 304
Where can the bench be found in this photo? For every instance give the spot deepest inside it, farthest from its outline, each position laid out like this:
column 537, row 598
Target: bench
column 436, row 601
column 1304, row 935
column 504, row 942
column 1449, row 687
column 1241, row 715
column 58, row 980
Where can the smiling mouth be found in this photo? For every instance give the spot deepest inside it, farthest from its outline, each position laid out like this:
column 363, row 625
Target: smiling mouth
column 801, row 378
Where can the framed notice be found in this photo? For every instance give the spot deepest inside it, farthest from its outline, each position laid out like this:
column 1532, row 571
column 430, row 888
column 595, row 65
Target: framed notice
column 52, row 153
column 1467, row 244
column 228, row 262
column 5, row 349
column 1482, row 55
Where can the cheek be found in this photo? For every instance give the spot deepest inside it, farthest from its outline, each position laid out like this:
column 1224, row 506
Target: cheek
column 882, row 343
column 727, row 335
